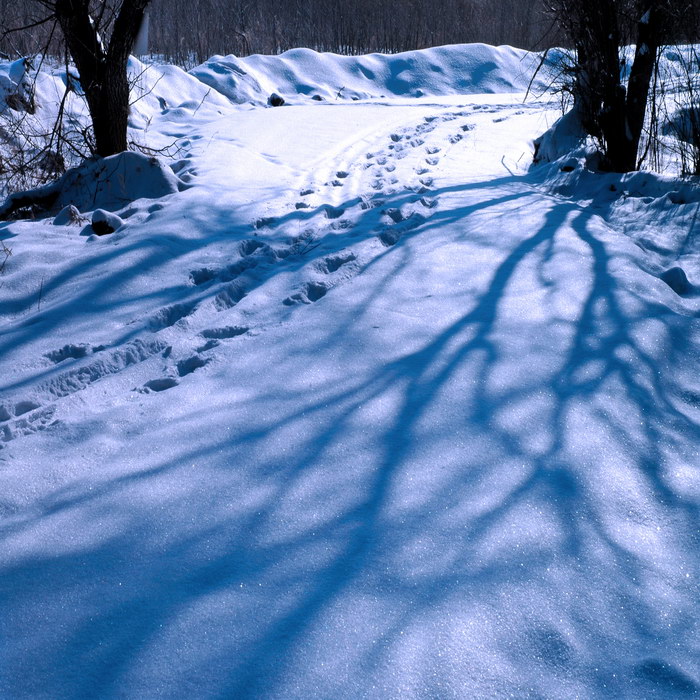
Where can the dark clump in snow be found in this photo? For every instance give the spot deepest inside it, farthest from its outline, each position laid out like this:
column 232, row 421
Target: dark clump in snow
column 274, row 100
column 677, row 280
column 104, row 222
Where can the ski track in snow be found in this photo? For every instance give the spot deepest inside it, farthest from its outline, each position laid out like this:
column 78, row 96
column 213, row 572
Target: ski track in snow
column 382, row 418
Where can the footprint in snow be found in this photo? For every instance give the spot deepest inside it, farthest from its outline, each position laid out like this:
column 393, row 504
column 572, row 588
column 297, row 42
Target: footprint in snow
column 224, row 333
column 30, row 422
column 229, row 296
column 209, row 345
column 170, row 315
column 203, row 275
column 389, row 237
column 677, row 280
column 392, row 234
column 68, row 352
column 309, row 293
column 333, row 212
column 395, row 215
column 23, row 407
column 157, row 385
column 185, row 367
column 332, row 263
column 265, row 222
column 248, row 247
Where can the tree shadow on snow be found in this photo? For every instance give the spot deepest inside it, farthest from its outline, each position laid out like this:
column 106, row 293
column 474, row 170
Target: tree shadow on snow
column 529, row 542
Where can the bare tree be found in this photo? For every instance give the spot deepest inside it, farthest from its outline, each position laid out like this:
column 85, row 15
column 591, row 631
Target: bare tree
column 611, row 110
column 99, row 37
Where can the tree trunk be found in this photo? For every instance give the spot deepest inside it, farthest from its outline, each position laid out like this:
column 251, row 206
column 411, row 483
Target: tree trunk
column 103, row 70
column 111, row 112
column 610, row 112
column 638, row 87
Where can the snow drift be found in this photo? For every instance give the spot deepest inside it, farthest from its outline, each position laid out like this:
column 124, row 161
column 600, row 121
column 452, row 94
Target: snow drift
column 459, row 69
column 106, row 183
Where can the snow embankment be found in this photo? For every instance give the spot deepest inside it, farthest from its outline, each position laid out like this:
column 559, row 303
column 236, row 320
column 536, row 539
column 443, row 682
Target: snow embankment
column 303, row 73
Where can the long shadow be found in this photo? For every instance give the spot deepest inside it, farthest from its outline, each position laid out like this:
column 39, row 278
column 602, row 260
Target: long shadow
column 600, row 358
column 154, row 252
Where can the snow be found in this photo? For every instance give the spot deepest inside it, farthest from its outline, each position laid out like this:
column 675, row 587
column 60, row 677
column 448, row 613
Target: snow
column 301, row 74
column 367, row 409
column 105, row 182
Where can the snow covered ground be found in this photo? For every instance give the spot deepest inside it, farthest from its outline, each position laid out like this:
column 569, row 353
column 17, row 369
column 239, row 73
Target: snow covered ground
column 366, row 409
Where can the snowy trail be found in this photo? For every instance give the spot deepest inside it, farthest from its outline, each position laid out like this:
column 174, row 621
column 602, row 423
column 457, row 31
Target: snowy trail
column 370, row 416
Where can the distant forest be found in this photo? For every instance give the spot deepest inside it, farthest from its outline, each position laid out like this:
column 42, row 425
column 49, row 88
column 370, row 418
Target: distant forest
column 188, row 33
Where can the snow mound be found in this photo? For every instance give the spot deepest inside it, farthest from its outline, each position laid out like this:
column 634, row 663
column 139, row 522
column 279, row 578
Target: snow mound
column 16, row 89
column 565, row 137
column 305, row 74
column 168, row 91
column 104, row 183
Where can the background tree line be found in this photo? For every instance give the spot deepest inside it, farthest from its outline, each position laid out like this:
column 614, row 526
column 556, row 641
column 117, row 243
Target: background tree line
column 188, row 33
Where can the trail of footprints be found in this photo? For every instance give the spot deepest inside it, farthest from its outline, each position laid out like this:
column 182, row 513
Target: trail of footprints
column 335, row 268
column 331, row 270
column 86, row 364
column 398, row 221
column 26, row 415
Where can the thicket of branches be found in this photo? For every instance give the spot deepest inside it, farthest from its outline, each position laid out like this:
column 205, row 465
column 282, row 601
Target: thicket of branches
column 189, row 33
column 620, row 95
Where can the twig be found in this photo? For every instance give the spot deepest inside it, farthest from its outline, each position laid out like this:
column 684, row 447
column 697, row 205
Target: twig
column 6, row 252
column 503, row 163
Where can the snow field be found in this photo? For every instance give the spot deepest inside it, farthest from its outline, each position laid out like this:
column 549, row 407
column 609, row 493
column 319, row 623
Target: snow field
column 365, row 411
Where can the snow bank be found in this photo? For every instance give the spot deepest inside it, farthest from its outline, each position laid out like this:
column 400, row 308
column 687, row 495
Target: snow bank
column 104, row 183
column 307, row 74
column 168, row 91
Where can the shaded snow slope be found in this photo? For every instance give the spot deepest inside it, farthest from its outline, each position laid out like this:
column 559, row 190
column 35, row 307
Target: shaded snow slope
column 367, row 411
